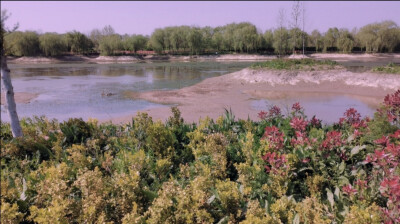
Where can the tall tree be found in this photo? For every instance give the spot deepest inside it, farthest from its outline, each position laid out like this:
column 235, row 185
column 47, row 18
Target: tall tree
column 303, row 36
column 316, row 40
column 6, row 82
column 281, row 26
column 52, row 44
column 296, row 13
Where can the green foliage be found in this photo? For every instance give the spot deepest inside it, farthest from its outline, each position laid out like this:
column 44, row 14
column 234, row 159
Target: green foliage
column 52, row 44
column 391, row 68
column 294, row 64
column 190, row 40
column 75, row 131
column 228, row 171
column 77, row 42
column 22, row 43
column 135, row 43
column 379, row 37
column 108, row 45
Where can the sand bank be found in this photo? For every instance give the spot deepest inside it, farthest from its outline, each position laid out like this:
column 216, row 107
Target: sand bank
column 216, row 57
column 238, row 89
column 20, row 97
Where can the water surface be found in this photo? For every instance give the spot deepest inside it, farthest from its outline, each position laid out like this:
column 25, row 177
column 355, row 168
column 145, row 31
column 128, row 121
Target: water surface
column 327, row 107
column 75, row 89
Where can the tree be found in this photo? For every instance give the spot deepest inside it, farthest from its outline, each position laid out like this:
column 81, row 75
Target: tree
column 296, row 13
column 281, row 41
column 194, row 39
column 6, row 81
column 316, row 40
column 95, row 36
column 108, row 30
column 268, row 39
column 303, row 35
column 78, row 43
column 22, row 43
column 330, row 39
column 345, row 42
column 52, row 44
column 279, row 35
column 157, row 40
column 135, row 43
column 109, row 44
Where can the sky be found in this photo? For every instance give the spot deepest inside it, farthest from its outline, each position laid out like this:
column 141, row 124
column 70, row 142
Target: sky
column 140, row 17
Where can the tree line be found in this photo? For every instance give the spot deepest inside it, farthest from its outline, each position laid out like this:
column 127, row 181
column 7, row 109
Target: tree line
column 232, row 38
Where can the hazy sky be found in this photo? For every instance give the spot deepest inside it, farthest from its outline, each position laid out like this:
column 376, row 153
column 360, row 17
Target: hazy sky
column 143, row 17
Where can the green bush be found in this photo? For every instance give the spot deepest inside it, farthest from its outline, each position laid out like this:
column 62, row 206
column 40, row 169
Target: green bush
column 294, row 64
column 281, row 169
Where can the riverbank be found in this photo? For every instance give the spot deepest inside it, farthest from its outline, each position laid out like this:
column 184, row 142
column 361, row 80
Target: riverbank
column 237, row 90
column 20, row 97
column 224, row 57
column 133, row 59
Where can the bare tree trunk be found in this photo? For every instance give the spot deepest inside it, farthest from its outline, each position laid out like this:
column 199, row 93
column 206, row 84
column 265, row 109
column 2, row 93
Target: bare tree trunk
column 295, row 22
column 281, row 22
column 303, row 26
column 9, row 96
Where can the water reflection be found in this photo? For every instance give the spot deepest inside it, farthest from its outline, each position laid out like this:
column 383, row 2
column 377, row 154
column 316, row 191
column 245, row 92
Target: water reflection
column 327, row 107
column 75, row 90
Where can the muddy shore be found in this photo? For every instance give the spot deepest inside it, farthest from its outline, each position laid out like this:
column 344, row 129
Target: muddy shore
column 238, row 89
column 223, row 57
column 20, row 97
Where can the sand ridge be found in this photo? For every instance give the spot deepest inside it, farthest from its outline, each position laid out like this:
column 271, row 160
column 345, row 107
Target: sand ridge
column 237, row 90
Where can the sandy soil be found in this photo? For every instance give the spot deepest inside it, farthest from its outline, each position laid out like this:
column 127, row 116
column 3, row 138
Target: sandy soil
column 20, row 97
column 237, row 90
column 226, row 57
column 130, row 59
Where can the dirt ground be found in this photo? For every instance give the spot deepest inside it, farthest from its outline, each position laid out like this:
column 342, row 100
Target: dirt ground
column 20, row 97
column 237, row 90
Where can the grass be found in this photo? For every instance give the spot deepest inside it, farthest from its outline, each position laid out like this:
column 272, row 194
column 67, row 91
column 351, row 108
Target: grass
column 391, row 68
column 295, row 64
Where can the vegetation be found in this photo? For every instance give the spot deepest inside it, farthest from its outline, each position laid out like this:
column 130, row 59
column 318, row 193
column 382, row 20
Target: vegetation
column 231, row 38
column 391, row 68
column 52, row 44
column 295, row 64
column 22, row 43
column 281, row 169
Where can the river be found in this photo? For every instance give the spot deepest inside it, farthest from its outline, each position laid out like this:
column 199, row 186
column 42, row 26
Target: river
column 80, row 89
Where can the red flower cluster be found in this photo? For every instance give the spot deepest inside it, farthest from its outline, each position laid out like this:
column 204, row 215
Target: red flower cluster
column 390, row 187
column 274, row 136
column 348, row 189
column 275, row 111
column 351, row 116
column 333, row 139
column 296, row 107
column 275, row 162
column 392, row 102
column 298, row 124
column 315, row 122
column 301, row 139
column 262, row 115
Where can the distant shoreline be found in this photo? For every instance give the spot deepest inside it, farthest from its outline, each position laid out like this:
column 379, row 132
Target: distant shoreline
column 222, row 57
